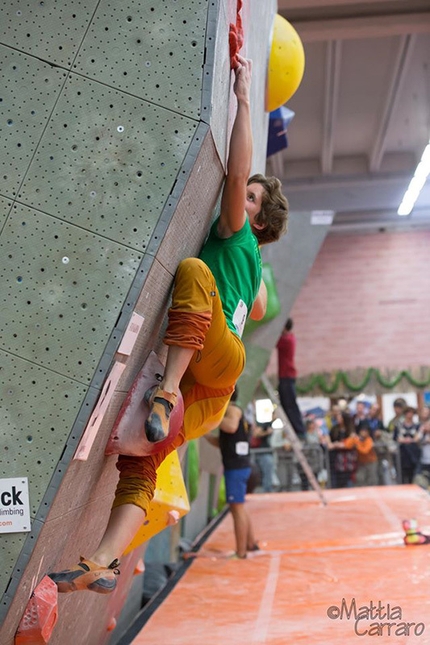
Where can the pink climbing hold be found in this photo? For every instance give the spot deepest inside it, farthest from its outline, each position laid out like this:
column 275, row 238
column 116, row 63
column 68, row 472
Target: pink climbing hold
column 172, row 518
column 128, row 434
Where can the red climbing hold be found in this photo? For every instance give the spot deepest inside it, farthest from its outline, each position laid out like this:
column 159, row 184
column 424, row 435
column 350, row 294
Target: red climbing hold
column 40, row 615
column 235, row 37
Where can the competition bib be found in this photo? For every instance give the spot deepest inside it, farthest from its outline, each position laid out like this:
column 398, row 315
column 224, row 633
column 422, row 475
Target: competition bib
column 239, row 317
column 242, row 448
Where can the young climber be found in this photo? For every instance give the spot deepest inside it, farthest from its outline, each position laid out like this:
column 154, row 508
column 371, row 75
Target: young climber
column 212, row 297
column 233, row 441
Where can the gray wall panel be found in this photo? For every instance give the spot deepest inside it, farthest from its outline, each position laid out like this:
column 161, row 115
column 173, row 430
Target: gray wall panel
column 107, row 161
column 29, row 89
column 151, row 50
column 46, row 29
column 62, row 292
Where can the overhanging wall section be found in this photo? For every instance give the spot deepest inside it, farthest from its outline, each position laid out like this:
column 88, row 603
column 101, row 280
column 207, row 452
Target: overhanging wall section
column 101, row 103
column 116, row 120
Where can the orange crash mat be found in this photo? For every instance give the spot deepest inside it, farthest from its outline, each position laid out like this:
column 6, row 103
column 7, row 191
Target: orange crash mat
column 325, row 575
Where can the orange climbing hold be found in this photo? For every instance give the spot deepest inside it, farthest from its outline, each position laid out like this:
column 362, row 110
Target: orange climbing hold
column 111, row 625
column 40, row 615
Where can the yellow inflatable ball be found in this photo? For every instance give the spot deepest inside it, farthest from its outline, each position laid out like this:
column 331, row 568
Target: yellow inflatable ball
column 286, row 64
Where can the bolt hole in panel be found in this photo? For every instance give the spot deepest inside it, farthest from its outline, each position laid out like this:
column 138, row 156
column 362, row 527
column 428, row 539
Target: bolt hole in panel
column 28, row 91
column 107, row 162
column 62, row 292
column 153, row 50
column 47, row 29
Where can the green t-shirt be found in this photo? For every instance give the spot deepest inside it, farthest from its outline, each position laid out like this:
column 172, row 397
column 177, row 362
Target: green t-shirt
column 236, row 265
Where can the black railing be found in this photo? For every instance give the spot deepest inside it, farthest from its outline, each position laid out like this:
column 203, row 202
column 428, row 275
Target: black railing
column 289, row 475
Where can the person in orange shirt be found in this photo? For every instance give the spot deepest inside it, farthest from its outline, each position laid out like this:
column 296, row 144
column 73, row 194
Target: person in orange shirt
column 367, row 460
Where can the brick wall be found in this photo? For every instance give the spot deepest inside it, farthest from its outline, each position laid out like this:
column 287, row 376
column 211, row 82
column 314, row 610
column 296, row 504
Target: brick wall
column 365, row 303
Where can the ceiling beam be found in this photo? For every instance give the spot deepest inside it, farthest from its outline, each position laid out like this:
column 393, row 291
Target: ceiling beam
column 351, row 181
column 400, row 70
column 309, row 168
column 382, row 215
column 380, row 221
column 331, row 99
column 368, row 27
column 379, row 227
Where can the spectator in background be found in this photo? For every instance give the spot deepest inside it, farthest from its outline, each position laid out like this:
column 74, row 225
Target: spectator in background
column 233, row 441
column 406, row 435
column 383, row 444
column 422, row 477
column 313, row 452
column 343, row 405
column 367, row 460
column 424, row 414
column 360, row 413
column 399, row 406
column 264, row 457
column 343, row 462
column 374, row 419
column 330, row 418
column 386, row 449
column 287, row 373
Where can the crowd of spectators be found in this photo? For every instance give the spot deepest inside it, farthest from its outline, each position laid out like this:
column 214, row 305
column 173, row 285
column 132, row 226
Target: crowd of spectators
column 354, row 448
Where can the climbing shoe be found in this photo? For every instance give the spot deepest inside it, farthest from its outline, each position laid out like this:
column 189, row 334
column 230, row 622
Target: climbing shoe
column 87, row 575
column 160, row 405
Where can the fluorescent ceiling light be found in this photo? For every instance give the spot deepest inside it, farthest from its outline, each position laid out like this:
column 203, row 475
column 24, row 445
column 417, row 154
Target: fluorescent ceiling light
column 417, row 183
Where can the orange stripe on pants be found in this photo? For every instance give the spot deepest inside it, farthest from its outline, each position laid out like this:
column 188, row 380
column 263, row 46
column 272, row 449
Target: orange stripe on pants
column 207, row 384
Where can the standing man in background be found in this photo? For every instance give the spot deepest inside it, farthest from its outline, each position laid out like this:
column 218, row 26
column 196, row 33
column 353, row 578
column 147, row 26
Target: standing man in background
column 233, row 441
column 287, row 373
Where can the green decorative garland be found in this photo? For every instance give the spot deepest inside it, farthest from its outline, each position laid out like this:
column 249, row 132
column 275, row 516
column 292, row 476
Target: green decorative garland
column 341, row 378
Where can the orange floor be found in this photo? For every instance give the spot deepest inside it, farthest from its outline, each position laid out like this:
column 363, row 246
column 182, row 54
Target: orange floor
column 314, row 557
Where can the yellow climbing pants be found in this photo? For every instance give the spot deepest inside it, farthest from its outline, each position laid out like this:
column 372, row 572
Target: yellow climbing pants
column 196, row 320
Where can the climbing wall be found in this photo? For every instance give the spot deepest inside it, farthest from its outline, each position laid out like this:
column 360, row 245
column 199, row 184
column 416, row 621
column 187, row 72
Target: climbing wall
column 114, row 120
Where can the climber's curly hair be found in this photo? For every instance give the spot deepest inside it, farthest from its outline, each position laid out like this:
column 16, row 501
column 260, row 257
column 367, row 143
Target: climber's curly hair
column 274, row 210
